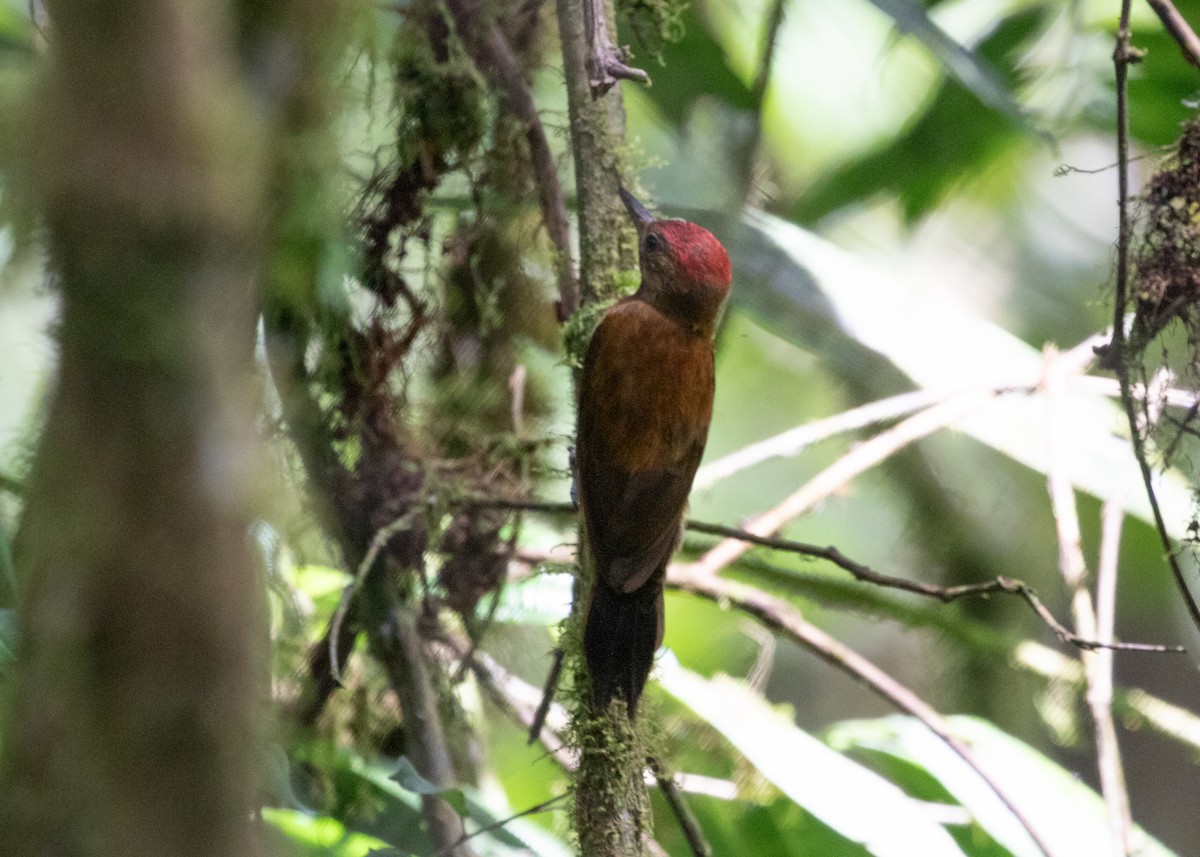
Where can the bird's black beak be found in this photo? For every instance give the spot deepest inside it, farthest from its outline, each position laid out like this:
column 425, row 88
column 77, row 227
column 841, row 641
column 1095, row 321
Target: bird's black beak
column 638, row 213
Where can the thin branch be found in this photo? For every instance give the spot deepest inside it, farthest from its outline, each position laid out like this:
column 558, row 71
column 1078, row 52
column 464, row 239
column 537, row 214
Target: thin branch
column 945, row 594
column 548, row 507
column 1115, row 356
column 1073, row 568
column 793, row 441
column 495, row 57
column 605, row 62
column 544, row 806
column 543, row 709
column 1100, row 682
column 686, row 819
column 758, row 94
column 787, row 620
column 1181, row 31
column 1172, row 397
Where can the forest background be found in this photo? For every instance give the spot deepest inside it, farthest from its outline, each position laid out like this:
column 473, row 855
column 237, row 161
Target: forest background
column 286, row 410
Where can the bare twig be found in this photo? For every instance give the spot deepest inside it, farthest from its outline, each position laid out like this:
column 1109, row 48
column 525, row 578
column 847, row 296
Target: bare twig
column 792, row 441
column 945, row 594
column 787, row 620
column 696, row 840
column 1073, row 567
column 1116, row 355
column 758, row 93
column 865, row 574
column 539, row 716
column 605, row 62
column 1181, row 31
column 1171, row 397
column 516, row 697
column 1100, row 680
column 544, row 806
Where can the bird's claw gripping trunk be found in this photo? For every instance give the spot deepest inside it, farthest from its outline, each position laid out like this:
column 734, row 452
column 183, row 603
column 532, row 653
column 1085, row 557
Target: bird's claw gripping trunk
column 620, row 637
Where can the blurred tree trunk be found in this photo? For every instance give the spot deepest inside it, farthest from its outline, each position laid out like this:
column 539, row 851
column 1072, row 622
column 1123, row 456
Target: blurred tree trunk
column 132, row 730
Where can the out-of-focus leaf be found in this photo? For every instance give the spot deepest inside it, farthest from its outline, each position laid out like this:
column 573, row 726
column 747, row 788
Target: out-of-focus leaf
column 8, row 575
column 370, row 799
column 972, row 70
column 812, row 293
column 278, row 776
column 778, row 828
column 1069, row 816
column 955, row 137
column 8, row 637
column 361, row 796
column 320, row 835
column 406, row 775
column 322, row 584
column 16, row 31
column 821, row 781
column 693, row 67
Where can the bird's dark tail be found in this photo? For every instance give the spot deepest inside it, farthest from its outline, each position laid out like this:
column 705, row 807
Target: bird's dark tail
column 619, row 640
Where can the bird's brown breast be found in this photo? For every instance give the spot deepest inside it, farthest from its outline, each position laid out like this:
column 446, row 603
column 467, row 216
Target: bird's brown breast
column 649, row 386
column 645, row 405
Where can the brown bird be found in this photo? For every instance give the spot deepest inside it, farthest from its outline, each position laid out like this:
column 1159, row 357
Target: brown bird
column 645, row 403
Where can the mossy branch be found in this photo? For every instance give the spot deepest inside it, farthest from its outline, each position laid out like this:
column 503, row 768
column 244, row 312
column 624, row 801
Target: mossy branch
column 611, row 805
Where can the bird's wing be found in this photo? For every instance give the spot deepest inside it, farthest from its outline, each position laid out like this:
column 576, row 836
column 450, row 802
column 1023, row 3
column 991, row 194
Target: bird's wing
column 645, row 405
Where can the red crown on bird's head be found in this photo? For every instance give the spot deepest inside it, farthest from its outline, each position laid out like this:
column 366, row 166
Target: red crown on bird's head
column 700, row 256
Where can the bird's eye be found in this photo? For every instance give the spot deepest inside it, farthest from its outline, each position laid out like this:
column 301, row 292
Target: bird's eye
column 652, row 243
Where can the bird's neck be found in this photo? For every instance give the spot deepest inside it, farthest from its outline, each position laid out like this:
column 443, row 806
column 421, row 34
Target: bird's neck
column 696, row 313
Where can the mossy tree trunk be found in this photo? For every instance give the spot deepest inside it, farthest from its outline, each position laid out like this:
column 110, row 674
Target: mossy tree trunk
column 612, row 808
column 131, row 728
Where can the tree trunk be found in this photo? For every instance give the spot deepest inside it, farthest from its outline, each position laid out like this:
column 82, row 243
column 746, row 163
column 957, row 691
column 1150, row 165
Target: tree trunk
column 132, row 726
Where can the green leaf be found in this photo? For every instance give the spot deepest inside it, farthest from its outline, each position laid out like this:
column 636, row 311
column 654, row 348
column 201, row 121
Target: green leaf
column 322, row 836
column 827, row 784
column 16, row 31
column 953, row 138
column 970, row 69
column 778, row 828
column 1068, row 815
column 407, row 777
column 372, row 800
